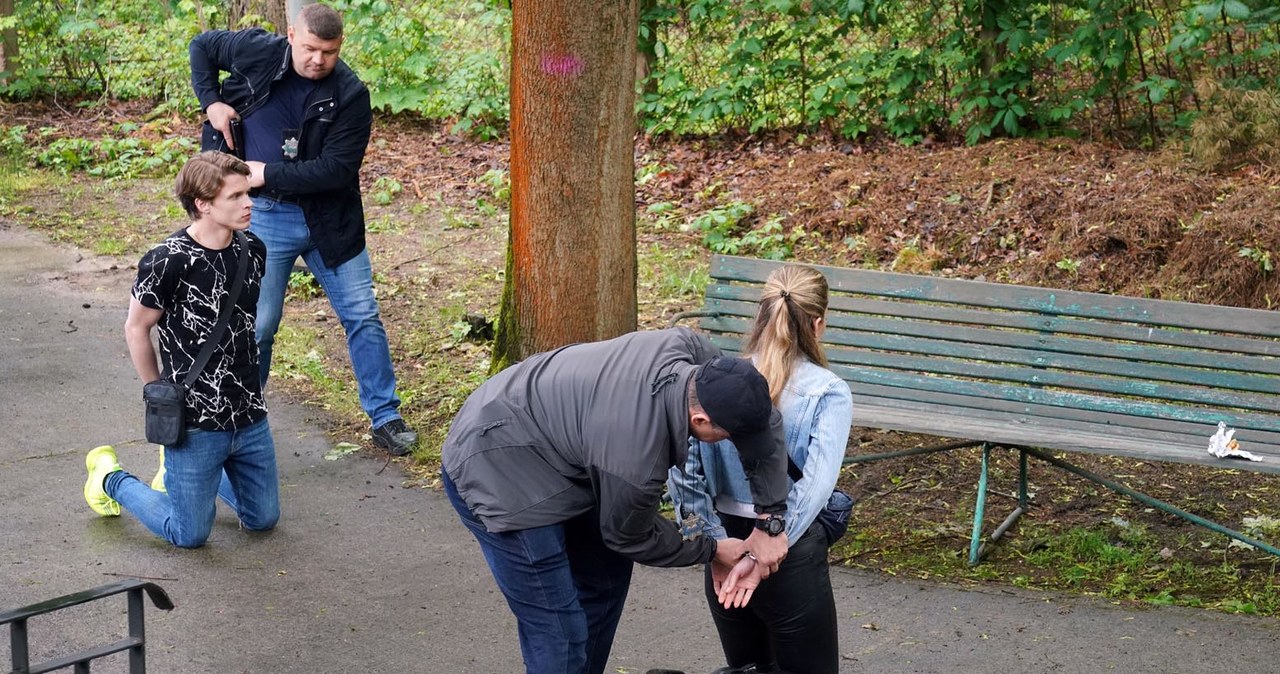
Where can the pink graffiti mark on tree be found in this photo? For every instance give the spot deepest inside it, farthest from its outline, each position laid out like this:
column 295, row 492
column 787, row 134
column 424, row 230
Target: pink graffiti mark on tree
column 561, row 65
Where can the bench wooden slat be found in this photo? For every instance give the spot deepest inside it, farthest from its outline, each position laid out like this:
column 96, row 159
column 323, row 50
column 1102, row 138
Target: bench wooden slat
column 1049, row 301
column 910, row 382
column 742, row 301
column 925, row 419
column 1033, row 377
column 892, row 372
column 1120, row 423
column 1118, row 373
column 1117, row 370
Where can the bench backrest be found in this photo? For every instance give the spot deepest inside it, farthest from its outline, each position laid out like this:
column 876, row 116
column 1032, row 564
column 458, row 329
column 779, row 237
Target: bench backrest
column 1034, row 366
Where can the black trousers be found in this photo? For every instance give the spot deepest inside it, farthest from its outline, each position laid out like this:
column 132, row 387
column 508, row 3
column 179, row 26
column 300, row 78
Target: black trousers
column 790, row 623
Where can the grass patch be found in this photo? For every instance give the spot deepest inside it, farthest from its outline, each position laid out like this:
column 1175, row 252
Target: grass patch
column 298, row 358
column 914, row 519
column 123, row 221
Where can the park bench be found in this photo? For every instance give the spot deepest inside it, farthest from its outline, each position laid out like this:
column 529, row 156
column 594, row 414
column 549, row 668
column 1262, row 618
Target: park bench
column 1037, row 370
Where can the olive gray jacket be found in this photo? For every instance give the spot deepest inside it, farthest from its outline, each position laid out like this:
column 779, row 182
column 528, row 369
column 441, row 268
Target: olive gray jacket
column 588, row 427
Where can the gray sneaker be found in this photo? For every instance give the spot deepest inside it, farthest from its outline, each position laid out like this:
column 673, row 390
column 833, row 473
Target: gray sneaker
column 396, row 437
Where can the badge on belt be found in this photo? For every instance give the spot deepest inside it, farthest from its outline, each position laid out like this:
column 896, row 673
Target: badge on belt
column 290, row 146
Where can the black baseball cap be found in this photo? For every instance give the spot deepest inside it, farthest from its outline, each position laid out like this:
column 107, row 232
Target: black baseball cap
column 736, row 397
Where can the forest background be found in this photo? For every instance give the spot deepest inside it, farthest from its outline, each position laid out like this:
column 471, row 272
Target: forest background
column 1123, row 146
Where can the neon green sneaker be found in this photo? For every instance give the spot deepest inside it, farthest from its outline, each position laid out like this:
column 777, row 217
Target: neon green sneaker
column 101, row 462
column 157, row 482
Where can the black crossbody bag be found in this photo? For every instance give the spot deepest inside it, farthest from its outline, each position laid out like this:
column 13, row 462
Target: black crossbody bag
column 165, row 401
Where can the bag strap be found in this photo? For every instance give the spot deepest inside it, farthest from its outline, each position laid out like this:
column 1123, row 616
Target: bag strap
column 793, row 470
column 224, row 315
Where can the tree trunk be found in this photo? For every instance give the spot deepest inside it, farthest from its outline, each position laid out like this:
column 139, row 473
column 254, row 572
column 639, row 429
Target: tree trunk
column 571, row 257
column 270, row 12
column 8, row 43
column 991, row 52
column 647, row 48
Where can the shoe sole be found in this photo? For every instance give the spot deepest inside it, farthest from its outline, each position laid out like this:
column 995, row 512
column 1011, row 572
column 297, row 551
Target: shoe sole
column 387, row 448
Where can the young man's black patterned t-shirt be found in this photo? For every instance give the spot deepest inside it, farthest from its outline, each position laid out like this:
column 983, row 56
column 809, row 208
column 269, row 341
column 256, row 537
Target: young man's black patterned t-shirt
column 189, row 283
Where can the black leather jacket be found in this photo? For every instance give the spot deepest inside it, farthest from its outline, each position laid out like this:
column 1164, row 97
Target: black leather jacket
column 325, row 177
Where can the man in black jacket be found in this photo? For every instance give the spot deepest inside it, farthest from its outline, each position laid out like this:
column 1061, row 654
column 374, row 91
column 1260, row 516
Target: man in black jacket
column 305, row 121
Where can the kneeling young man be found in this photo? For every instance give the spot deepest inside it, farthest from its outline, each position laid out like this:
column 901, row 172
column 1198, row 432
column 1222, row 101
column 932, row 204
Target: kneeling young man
column 227, row 449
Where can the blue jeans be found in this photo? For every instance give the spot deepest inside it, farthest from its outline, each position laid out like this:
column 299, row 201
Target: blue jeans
column 564, row 586
column 239, row 466
column 349, row 287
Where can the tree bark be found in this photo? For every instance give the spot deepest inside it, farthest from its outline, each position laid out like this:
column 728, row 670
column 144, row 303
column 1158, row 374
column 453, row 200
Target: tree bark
column 571, row 260
column 8, row 43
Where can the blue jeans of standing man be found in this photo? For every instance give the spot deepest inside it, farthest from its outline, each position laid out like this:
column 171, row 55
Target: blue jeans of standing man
column 239, row 466
column 564, row 586
column 349, row 287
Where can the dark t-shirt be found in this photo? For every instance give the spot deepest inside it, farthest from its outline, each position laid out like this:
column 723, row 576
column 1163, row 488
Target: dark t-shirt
column 279, row 119
column 189, row 283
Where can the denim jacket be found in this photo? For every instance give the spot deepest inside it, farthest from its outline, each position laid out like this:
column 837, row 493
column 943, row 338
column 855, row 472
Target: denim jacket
column 817, row 410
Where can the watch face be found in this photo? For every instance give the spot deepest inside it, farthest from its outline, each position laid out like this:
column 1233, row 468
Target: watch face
column 772, row 525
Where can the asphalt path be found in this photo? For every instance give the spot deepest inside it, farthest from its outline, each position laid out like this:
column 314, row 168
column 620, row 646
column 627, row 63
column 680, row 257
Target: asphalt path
column 370, row 571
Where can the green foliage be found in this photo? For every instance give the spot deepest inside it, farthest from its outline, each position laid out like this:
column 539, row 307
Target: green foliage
column 385, row 190
column 303, row 286
column 13, row 143
column 442, row 60
column 115, row 157
column 1122, row 560
column 126, row 49
column 499, row 182
column 1260, row 256
column 983, row 68
column 723, row 232
column 907, row 69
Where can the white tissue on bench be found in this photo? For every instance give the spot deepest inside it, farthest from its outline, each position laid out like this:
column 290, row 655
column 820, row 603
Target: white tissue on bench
column 1224, row 446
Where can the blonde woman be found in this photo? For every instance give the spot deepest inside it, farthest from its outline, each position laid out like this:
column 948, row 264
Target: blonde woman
column 786, row 623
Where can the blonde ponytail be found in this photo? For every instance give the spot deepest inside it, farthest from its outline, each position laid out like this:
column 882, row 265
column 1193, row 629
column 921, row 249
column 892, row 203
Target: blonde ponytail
column 783, row 330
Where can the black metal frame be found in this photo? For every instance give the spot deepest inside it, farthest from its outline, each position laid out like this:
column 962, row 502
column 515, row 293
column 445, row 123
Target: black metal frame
column 135, row 643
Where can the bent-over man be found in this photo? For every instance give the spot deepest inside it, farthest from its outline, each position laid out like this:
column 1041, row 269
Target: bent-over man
column 558, row 463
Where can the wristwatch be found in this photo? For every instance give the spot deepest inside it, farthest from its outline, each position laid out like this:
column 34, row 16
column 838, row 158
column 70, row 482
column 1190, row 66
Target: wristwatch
column 772, row 524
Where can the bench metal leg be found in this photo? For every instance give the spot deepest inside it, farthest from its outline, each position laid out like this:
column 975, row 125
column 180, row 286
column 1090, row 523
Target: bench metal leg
column 138, row 631
column 18, row 645
column 979, row 507
column 978, row 547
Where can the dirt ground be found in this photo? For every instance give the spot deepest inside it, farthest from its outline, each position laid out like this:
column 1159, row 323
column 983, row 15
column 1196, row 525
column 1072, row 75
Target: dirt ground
column 1068, row 214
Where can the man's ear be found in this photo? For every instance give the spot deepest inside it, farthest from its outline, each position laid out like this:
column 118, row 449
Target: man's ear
column 699, row 419
column 202, row 205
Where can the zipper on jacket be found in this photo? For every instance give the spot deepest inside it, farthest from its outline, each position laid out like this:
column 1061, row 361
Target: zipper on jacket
column 254, row 101
column 661, row 382
column 316, row 109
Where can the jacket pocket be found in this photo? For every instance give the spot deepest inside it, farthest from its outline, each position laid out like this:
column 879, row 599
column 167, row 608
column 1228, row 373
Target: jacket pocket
column 500, row 470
